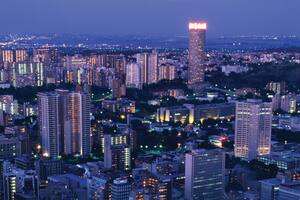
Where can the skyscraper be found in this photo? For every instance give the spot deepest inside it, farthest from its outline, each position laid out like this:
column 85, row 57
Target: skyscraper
column 252, row 128
column 49, row 124
column 196, row 68
column 64, row 121
column 80, row 124
column 204, row 174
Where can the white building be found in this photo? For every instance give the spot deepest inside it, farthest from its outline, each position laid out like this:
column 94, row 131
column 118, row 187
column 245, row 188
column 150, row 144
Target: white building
column 227, row 69
column 253, row 128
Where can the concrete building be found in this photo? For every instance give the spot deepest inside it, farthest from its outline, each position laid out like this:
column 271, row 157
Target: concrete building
column 49, row 124
column 66, row 186
column 269, row 189
column 80, row 124
column 148, row 64
column 133, row 76
column 9, row 147
column 27, row 74
column 253, row 129
column 120, row 189
column 167, row 72
column 277, row 87
column 204, row 175
column 64, row 122
column 117, row 152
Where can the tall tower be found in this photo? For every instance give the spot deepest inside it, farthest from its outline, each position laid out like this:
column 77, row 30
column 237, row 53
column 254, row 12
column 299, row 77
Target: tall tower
column 64, row 122
column 253, row 127
column 197, row 37
column 204, row 174
column 49, row 124
column 80, row 124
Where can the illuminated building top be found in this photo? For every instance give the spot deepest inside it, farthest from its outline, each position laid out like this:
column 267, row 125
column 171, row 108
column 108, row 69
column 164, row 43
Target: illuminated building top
column 197, row 26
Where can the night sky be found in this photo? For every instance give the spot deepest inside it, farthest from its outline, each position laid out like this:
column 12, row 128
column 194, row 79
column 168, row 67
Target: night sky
column 150, row 17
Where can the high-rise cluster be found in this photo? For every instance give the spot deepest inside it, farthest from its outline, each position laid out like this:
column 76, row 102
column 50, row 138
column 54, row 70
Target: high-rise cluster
column 64, row 123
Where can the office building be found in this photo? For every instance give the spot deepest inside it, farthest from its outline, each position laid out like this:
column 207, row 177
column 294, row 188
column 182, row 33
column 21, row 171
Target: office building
column 19, row 183
column 283, row 160
column 120, row 189
column 253, row 123
column 197, row 40
column 269, row 189
column 98, row 188
column 46, row 167
column 204, row 174
column 289, row 191
column 66, row 186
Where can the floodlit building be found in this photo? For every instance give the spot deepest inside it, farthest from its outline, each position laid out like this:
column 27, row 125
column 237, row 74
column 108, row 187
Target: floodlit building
column 253, row 125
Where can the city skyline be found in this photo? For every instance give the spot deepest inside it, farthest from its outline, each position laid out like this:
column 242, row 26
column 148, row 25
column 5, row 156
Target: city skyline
column 162, row 117
column 160, row 18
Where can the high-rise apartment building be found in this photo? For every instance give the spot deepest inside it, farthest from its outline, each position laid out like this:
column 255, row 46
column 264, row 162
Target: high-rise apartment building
column 7, row 56
column 197, row 40
column 49, row 124
column 133, row 76
column 253, row 128
column 204, row 174
column 80, row 124
column 148, row 63
column 117, row 154
column 27, row 74
column 64, row 121
column 21, row 55
column 167, row 72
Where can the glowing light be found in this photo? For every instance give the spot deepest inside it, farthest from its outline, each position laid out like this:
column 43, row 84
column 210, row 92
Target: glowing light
column 197, row 26
column 46, row 154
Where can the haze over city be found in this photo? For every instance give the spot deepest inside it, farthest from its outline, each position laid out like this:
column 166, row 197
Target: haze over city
column 150, row 17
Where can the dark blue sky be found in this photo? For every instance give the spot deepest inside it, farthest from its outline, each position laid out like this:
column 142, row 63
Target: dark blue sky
column 154, row 17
